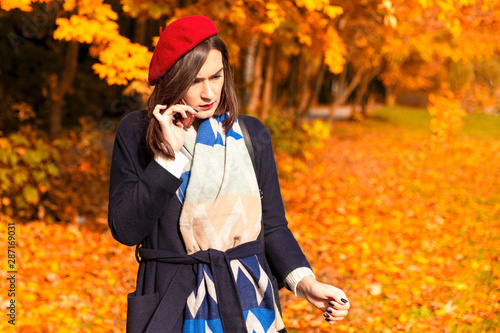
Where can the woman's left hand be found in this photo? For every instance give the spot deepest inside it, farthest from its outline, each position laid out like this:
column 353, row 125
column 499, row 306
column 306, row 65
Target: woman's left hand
column 329, row 299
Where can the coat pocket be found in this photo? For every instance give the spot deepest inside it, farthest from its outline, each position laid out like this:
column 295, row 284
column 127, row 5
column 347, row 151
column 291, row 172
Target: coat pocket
column 140, row 309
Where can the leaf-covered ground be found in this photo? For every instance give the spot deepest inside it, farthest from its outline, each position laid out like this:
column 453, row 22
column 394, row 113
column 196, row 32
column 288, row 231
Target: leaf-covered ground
column 409, row 229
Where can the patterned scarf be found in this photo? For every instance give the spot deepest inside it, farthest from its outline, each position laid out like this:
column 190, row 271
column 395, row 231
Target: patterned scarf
column 220, row 194
column 221, row 210
column 255, row 291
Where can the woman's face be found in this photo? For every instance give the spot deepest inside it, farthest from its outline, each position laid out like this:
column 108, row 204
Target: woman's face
column 204, row 94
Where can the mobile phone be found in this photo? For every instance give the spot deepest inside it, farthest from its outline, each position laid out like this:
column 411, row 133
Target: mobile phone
column 186, row 122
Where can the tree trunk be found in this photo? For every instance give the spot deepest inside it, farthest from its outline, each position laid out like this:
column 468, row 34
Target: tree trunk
column 185, row 3
column 248, row 68
column 339, row 85
column 293, row 82
column 342, row 97
column 140, row 28
column 305, row 83
column 253, row 104
column 55, row 102
column 267, row 92
column 59, row 87
column 359, row 100
column 5, row 102
column 390, row 96
column 317, row 88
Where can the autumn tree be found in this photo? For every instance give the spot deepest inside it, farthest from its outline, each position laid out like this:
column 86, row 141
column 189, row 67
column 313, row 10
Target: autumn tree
column 279, row 47
column 417, row 46
column 284, row 52
column 90, row 22
column 442, row 45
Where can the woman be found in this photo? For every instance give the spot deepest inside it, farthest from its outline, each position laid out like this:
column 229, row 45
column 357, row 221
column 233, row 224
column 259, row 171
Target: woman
column 189, row 198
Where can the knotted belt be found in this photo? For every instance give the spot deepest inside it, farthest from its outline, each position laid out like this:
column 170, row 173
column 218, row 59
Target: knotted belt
column 230, row 310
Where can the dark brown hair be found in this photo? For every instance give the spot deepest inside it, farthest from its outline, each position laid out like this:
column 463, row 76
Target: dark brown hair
column 175, row 83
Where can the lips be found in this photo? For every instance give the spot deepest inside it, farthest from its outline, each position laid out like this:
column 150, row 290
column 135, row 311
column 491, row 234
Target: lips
column 207, row 106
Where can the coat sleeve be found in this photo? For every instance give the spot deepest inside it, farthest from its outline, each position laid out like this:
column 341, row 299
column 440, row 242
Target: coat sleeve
column 282, row 250
column 139, row 187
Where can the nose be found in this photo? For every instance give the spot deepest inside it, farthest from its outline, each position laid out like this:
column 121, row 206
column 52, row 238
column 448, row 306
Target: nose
column 207, row 91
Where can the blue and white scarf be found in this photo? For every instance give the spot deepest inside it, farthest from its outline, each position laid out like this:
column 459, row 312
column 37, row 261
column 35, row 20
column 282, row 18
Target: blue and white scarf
column 220, row 194
column 255, row 291
column 221, row 210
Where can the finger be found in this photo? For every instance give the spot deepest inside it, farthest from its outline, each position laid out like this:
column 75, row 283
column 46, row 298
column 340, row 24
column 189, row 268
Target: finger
column 173, row 109
column 159, row 107
column 340, row 307
column 159, row 117
column 332, row 313
column 186, row 110
column 184, row 113
column 330, row 321
column 340, row 302
column 336, row 313
column 335, row 319
column 180, row 109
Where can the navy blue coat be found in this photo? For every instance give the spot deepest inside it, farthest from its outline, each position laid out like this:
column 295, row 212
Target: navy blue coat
column 144, row 209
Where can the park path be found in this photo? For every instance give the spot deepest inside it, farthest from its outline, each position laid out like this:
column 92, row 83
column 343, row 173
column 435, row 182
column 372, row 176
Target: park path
column 343, row 112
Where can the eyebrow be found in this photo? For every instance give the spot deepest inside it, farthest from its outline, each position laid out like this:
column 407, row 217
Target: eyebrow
column 212, row 76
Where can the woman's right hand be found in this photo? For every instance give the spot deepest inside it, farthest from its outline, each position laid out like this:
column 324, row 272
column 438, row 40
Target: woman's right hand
column 173, row 133
column 329, row 299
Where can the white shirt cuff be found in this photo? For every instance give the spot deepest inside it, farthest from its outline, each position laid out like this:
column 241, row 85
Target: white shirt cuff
column 293, row 279
column 175, row 166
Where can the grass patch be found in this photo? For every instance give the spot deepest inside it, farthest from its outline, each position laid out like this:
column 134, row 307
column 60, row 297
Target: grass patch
column 411, row 118
column 481, row 126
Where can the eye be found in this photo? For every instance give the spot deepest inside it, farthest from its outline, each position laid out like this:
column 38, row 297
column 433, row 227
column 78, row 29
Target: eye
column 215, row 77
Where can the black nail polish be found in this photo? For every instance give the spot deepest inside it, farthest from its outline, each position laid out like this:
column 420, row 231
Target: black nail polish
column 331, row 303
column 325, row 314
column 329, row 310
column 343, row 300
column 195, row 110
column 327, row 319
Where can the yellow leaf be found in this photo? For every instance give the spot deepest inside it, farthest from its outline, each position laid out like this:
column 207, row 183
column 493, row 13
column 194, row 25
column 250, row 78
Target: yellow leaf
column 31, row 194
column 24, row 5
column 335, row 52
column 267, row 28
column 333, row 11
column 312, row 4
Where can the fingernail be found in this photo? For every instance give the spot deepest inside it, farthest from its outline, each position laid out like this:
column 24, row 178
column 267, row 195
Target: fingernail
column 326, row 315
column 331, row 303
column 343, row 300
column 329, row 310
column 327, row 319
column 195, row 110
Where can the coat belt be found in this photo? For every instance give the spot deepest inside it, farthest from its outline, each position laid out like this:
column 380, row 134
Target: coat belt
column 230, row 310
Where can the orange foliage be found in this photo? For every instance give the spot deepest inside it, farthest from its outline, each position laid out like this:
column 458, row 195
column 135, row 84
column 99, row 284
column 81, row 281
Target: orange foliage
column 447, row 115
column 70, row 279
column 410, row 230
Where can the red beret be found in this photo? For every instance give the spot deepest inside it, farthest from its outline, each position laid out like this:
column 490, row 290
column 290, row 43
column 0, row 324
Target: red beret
column 178, row 38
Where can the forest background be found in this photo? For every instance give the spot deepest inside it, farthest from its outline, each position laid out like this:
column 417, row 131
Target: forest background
column 404, row 198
